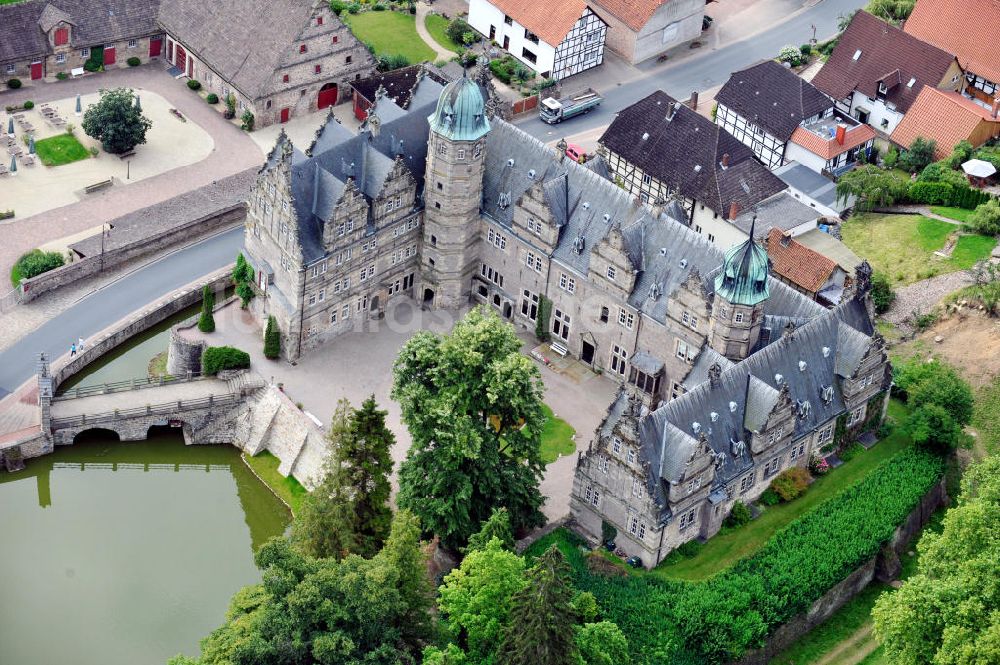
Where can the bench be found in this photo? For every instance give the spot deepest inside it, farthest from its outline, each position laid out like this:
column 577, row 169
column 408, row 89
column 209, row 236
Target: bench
column 77, row 71
column 126, row 155
column 90, row 189
column 558, row 348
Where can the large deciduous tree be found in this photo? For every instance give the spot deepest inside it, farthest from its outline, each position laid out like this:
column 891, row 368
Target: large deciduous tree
column 543, row 620
column 473, row 405
column 116, row 121
column 348, row 511
column 947, row 613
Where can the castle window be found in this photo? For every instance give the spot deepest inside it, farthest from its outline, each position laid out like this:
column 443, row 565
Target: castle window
column 132, row 43
column 345, row 312
column 619, row 359
column 442, row 149
column 284, row 79
column 605, row 313
column 84, row 53
column 312, row 298
column 771, row 467
column 746, row 483
column 687, row 519
column 560, row 324
column 322, row 295
column 602, row 463
column 630, row 456
column 826, row 434
column 529, row 304
column 592, row 496
column 798, row 451
column 616, row 445
column 461, row 153
column 636, row 487
column 644, row 382
column 626, row 318
column 689, row 319
column 694, row 485
column 477, row 150
column 335, row 39
column 682, row 350
column 738, row 317
column 317, row 69
column 567, row 283
column 611, row 273
column 856, row 416
column 497, row 240
column 333, row 315
column 347, row 60
column 319, row 20
column 302, row 48
column 60, row 58
column 533, row 261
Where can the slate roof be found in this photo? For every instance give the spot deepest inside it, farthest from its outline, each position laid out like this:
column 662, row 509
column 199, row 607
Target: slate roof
column 884, row 49
column 319, row 178
column 551, row 22
column 22, row 24
column 946, row 117
column 797, row 263
column 398, row 83
column 685, row 153
column 245, row 41
column 781, row 211
column 774, row 97
column 633, row 13
column 814, row 185
column 967, row 28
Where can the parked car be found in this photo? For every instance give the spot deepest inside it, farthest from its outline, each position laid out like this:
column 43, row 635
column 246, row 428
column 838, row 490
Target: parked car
column 576, row 153
column 553, row 110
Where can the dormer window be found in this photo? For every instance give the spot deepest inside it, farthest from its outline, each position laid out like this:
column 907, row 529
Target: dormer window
column 303, row 48
column 612, row 273
column 857, row 55
column 62, row 36
column 319, row 20
column 284, row 79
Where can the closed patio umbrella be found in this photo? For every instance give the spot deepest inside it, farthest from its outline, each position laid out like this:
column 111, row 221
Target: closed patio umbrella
column 79, row 106
column 31, row 145
column 138, row 106
column 13, row 164
column 10, row 126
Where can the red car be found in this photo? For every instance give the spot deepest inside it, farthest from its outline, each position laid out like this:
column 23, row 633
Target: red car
column 576, row 153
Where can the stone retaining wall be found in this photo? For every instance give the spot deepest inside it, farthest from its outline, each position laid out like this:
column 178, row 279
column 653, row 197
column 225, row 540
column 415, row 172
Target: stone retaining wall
column 884, row 566
column 195, row 229
column 138, row 322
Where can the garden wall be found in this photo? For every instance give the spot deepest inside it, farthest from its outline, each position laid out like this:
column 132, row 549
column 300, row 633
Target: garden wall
column 219, row 220
column 884, row 566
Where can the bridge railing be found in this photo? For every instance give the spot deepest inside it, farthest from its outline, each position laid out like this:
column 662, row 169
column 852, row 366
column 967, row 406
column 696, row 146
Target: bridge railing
column 167, row 409
column 124, row 386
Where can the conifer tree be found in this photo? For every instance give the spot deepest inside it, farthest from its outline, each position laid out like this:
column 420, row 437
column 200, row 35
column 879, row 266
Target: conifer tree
column 272, row 339
column 497, row 526
column 542, row 621
column 206, row 322
column 403, row 554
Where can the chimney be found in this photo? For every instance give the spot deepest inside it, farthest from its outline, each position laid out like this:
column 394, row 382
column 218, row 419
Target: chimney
column 841, row 133
column 734, row 210
column 996, row 107
column 786, row 239
column 725, row 160
column 693, row 102
column 671, row 111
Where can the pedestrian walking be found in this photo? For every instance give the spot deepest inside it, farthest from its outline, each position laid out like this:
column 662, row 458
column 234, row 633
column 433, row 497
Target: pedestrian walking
column 72, row 349
column 79, row 345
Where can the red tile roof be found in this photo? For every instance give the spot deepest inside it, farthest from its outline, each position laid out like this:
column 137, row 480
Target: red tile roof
column 551, row 21
column 970, row 29
column 829, row 148
column 634, row 13
column 947, row 117
column 797, row 263
column 881, row 49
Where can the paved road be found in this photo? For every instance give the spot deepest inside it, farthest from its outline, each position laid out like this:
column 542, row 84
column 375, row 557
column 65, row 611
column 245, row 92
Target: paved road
column 703, row 71
column 116, row 301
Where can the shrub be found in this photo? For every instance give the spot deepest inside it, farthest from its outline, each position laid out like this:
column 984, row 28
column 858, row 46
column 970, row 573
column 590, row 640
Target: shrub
column 891, row 157
column 791, row 55
column 769, row 497
column 218, row 358
column 379, row 7
column 206, row 322
column 354, row 8
column 194, row 85
column 882, row 294
column 806, row 49
column 942, row 172
column 932, row 193
column 918, row 155
column 212, row 98
column 738, row 516
column 62, row 76
column 851, row 451
column 387, row 63
column 873, row 187
column 34, row 263
column 933, row 427
column 791, row 483
column 14, row 84
column 457, row 29
column 986, row 218
column 6, row 214
column 934, row 382
column 961, row 153
column 337, row 6
column 503, row 68
column 28, row 105
column 133, row 61
column 818, row 466
column 272, row 339
column 690, row 549
column 94, row 152
column 92, row 66
column 247, row 121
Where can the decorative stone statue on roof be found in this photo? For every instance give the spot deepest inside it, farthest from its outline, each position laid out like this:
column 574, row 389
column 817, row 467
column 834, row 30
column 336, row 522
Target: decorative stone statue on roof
column 496, row 106
column 862, row 280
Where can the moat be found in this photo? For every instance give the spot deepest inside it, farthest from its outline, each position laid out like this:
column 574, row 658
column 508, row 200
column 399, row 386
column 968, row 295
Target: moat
column 126, row 553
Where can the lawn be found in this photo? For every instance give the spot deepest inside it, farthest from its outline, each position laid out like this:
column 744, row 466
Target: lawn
column 903, row 246
column 59, row 150
column 958, row 214
column 436, row 25
column 724, row 549
column 557, row 437
column 390, row 33
column 289, row 490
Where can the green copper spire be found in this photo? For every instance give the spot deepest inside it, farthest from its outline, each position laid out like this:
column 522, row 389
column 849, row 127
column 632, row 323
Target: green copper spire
column 743, row 280
column 461, row 112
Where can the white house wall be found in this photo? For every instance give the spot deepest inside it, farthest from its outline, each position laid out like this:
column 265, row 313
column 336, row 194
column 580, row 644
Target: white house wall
column 582, row 48
column 768, row 148
column 796, row 153
column 881, row 118
column 672, row 24
column 483, row 15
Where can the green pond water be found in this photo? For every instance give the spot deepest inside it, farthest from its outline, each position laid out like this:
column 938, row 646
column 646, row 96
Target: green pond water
column 126, row 553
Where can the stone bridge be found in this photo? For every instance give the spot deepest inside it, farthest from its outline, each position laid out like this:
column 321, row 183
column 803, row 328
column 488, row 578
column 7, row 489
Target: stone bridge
column 204, row 408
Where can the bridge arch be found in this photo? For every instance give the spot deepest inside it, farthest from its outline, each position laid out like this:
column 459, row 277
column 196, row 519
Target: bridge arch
column 96, row 434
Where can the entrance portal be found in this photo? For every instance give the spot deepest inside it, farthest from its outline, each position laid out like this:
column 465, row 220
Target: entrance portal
column 428, row 296
column 327, row 96
column 587, row 353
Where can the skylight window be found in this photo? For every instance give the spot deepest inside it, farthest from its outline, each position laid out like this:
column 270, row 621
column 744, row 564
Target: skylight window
column 910, row 84
column 857, row 54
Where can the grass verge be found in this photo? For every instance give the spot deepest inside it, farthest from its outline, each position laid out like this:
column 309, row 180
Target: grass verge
column 59, row 150
column 289, row 490
column 158, row 366
column 958, row 214
column 390, row 33
column 903, row 246
column 724, row 549
column 557, row 437
column 436, row 25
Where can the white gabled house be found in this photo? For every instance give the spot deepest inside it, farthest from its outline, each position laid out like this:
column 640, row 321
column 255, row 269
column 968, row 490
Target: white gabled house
column 555, row 40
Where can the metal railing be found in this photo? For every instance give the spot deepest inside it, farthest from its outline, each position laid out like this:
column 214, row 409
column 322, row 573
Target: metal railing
column 168, row 409
column 10, row 300
column 123, row 386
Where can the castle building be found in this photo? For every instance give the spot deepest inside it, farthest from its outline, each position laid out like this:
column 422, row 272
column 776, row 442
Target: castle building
column 728, row 375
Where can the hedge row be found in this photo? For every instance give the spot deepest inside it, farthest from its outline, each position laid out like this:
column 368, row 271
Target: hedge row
column 217, row 358
column 943, row 193
column 720, row 619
